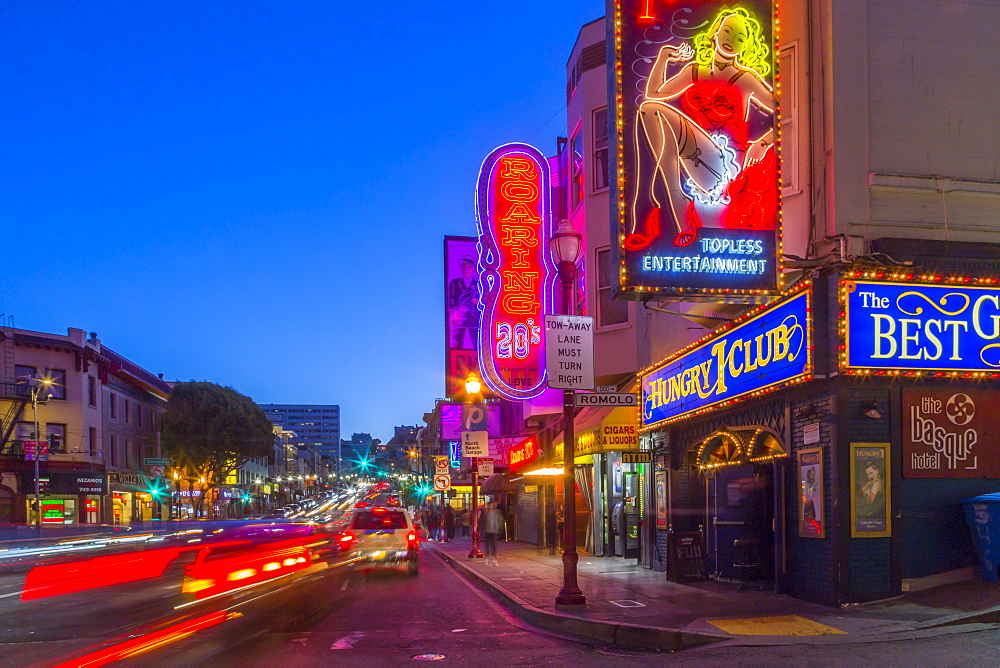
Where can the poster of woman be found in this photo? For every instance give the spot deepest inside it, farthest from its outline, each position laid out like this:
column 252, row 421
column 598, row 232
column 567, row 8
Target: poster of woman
column 870, row 514
column 811, row 517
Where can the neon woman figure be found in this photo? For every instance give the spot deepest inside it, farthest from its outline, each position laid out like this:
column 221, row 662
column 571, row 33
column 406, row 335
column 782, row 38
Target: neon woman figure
column 702, row 157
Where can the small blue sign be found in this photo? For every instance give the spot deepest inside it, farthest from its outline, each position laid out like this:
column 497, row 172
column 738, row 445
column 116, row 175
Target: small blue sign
column 909, row 326
column 772, row 348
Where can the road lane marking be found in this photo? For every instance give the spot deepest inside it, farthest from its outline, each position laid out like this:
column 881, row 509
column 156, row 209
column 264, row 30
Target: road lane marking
column 348, row 641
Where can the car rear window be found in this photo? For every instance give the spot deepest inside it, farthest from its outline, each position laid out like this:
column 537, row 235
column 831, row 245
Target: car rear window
column 386, row 519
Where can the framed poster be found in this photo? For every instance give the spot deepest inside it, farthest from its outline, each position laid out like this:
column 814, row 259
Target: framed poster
column 812, row 522
column 870, row 497
column 661, row 499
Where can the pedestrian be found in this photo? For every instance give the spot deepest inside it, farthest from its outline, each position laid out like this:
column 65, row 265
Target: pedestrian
column 551, row 529
column 465, row 520
column 491, row 524
column 433, row 524
column 449, row 523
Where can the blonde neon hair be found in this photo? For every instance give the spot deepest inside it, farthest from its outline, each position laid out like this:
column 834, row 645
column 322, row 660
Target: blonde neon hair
column 755, row 51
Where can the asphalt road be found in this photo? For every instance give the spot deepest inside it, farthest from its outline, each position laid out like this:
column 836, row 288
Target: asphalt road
column 393, row 619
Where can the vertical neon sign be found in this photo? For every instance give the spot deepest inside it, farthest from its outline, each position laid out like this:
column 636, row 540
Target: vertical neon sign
column 513, row 208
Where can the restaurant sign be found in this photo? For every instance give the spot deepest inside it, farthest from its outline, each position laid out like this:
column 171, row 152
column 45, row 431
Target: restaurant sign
column 949, row 434
column 523, row 453
column 920, row 328
column 762, row 351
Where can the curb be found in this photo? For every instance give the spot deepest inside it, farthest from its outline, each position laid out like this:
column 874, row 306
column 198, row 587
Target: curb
column 619, row 634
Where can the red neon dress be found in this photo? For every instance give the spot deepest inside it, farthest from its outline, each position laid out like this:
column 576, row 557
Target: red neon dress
column 718, row 107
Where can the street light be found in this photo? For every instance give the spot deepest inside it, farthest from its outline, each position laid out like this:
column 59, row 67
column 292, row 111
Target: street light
column 36, row 386
column 473, row 386
column 565, row 246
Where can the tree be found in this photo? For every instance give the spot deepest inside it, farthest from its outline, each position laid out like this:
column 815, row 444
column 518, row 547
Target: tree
column 210, row 431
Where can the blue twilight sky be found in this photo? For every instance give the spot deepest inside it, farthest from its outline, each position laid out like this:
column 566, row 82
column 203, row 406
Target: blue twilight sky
column 255, row 193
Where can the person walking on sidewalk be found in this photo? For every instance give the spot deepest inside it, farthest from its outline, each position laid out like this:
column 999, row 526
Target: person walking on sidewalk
column 449, row 523
column 465, row 519
column 491, row 523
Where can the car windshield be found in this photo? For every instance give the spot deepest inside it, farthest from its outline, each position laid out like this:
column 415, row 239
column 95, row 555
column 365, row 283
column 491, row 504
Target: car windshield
column 368, row 520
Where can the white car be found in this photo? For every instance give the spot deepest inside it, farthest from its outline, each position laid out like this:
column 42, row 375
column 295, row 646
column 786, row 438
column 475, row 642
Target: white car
column 383, row 536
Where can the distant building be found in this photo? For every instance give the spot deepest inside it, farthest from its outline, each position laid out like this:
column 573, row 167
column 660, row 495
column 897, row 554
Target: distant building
column 316, row 426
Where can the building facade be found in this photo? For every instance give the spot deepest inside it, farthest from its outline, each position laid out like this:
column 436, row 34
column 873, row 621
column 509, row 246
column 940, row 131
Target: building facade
column 101, row 420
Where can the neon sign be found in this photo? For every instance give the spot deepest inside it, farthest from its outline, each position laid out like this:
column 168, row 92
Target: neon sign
column 761, row 352
column 515, row 273
column 698, row 170
column 523, row 453
column 920, row 329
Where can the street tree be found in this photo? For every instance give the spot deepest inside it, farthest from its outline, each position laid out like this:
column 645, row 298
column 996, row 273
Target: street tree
column 210, row 431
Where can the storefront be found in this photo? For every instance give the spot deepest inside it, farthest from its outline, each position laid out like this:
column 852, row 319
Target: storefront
column 828, row 438
column 68, row 497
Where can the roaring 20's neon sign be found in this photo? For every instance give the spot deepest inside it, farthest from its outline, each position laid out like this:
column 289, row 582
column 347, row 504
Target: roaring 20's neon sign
column 513, row 208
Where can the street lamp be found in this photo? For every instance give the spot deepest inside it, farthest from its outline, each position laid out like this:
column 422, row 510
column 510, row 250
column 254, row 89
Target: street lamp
column 36, row 387
column 565, row 246
column 473, row 386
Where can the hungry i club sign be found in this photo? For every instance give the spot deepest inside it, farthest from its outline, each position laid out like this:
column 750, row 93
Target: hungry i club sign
column 515, row 272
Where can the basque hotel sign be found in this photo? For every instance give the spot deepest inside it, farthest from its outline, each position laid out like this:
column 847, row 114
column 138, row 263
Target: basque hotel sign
column 763, row 351
column 698, row 165
column 950, row 434
column 513, row 209
column 918, row 328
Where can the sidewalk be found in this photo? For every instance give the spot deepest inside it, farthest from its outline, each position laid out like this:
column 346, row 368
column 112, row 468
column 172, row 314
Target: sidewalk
column 631, row 606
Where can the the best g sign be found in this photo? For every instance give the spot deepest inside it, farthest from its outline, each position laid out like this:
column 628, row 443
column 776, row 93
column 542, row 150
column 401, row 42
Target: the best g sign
column 908, row 326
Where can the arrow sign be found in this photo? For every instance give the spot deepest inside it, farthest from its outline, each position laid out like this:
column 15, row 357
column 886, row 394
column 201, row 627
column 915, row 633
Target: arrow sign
column 475, row 444
column 442, row 482
column 441, row 466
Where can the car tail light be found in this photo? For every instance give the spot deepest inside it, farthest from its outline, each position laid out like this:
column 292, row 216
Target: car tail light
column 411, row 539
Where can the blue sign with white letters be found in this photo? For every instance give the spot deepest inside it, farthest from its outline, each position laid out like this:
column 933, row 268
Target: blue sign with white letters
column 770, row 349
column 909, row 326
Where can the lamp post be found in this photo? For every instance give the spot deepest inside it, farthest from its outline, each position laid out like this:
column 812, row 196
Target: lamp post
column 565, row 246
column 36, row 386
column 472, row 388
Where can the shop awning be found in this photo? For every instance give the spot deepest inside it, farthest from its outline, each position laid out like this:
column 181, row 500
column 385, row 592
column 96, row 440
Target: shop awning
column 494, row 484
column 738, row 445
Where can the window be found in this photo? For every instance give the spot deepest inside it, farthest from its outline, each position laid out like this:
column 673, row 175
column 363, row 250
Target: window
column 128, row 454
column 576, row 171
column 127, row 411
column 789, row 117
column 138, row 415
column 23, row 374
column 610, row 311
column 601, row 167
column 94, row 451
column 25, row 431
column 91, row 391
column 57, row 390
column 113, row 406
column 55, row 434
column 113, row 447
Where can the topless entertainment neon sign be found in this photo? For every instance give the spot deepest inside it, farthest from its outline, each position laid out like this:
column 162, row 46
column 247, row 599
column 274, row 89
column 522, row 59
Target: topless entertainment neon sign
column 513, row 209
column 696, row 119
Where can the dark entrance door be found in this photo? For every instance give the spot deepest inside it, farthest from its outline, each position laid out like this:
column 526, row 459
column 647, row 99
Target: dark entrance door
column 740, row 507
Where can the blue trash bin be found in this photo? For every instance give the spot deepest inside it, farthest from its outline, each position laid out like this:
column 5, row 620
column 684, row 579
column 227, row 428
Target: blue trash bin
column 983, row 515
